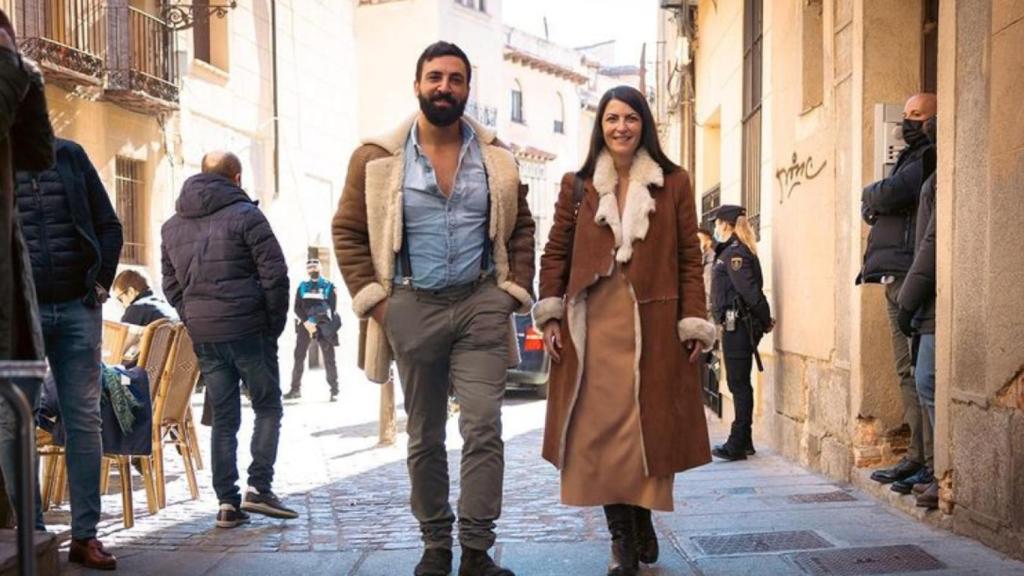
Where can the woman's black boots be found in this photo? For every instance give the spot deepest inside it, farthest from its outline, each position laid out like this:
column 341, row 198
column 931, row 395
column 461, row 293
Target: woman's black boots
column 622, row 526
column 646, row 537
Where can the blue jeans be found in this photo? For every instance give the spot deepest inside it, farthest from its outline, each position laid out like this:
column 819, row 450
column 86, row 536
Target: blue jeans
column 252, row 360
column 924, row 375
column 8, row 441
column 72, row 333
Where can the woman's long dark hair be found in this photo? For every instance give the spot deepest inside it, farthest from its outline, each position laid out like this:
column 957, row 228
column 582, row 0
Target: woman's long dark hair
column 648, row 136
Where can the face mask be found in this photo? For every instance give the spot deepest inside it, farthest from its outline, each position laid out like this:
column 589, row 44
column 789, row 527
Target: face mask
column 930, row 130
column 912, row 133
column 719, row 237
column 314, row 275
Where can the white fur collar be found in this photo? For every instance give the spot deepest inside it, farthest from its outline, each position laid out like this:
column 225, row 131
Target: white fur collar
column 635, row 219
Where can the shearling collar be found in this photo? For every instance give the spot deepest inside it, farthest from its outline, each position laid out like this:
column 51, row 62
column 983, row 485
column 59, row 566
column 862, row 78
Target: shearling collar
column 634, row 221
column 394, row 141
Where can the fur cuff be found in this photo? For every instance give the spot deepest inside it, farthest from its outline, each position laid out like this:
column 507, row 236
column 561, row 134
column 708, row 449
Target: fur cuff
column 546, row 310
column 519, row 293
column 698, row 329
column 364, row 300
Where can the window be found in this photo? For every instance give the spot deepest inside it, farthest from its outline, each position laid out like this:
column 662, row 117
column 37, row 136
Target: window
column 812, row 54
column 709, row 201
column 210, row 36
column 130, row 189
column 517, row 102
column 930, row 47
column 751, row 168
column 480, row 5
column 559, row 114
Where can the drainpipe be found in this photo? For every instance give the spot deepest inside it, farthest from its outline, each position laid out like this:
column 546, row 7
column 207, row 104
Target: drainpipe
column 277, row 131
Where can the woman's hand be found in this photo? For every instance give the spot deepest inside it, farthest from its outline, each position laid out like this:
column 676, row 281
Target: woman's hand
column 553, row 340
column 694, row 346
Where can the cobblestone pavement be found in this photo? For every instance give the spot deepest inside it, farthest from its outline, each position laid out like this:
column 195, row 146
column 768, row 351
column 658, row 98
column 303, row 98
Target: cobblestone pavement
column 353, row 499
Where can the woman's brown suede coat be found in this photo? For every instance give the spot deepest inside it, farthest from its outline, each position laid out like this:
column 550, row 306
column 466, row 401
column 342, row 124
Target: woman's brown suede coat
column 665, row 272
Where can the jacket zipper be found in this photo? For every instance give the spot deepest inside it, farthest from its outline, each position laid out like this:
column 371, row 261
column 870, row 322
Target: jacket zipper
column 44, row 236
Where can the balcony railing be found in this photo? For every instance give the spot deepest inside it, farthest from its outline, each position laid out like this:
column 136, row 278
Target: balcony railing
column 142, row 68
column 67, row 37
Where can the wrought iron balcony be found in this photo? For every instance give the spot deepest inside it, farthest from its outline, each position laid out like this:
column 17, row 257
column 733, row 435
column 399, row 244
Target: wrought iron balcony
column 68, row 38
column 142, row 71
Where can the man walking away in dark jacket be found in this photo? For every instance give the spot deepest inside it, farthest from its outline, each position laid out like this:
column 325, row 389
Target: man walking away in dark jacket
column 889, row 206
column 917, row 319
column 26, row 143
column 224, row 272
column 74, row 238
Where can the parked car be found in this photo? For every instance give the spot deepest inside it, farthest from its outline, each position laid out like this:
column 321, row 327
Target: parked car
column 532, row 371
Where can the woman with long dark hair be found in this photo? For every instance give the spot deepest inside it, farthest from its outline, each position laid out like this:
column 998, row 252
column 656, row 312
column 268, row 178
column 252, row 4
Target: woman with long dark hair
column 623, row 315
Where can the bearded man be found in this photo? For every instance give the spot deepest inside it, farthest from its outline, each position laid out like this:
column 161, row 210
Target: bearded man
column 435, row 242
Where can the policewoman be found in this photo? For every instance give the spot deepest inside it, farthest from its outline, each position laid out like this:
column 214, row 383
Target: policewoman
column 741, row 310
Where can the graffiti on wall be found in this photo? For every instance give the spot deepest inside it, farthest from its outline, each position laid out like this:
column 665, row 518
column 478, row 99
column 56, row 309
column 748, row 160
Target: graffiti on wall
column 796, row 174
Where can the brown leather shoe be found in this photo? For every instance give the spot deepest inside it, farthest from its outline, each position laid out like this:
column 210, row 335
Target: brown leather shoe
column 90, row 553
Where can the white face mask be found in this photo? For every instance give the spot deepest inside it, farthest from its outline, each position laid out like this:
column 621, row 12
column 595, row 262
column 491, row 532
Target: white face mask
column 721, row 236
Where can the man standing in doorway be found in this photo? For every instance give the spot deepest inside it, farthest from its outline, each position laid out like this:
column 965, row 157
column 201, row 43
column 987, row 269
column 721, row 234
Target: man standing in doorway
column 436, row 243
column 889, row 206
column 224, row 272
column 316, row 311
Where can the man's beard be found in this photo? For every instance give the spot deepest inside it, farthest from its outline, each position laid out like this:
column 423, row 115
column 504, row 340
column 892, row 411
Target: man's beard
column 442, row 117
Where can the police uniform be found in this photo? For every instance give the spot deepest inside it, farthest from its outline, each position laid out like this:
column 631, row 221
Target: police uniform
column 741, row 309
column 316, row 302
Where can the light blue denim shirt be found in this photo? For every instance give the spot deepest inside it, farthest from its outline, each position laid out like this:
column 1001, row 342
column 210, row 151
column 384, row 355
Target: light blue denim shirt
column 446, row 237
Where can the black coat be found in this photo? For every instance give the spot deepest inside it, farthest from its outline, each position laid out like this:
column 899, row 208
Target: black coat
column 890, row 207
column 72, row 231
column 918, row 292
column 737, row 282
column 26, row 143
column 316, row 301
column 223, row 269
column 148, row 308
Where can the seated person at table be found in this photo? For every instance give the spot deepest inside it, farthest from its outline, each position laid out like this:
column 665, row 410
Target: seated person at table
column 141, row 308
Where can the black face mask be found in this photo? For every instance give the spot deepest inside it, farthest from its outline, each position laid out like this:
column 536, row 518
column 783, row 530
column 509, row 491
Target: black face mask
column 913, row 134
column 314, row 275
column 442, row 117
column 930, row 130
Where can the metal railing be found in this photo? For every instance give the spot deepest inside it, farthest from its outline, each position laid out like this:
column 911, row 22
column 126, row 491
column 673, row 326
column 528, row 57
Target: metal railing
column 151, row 46
column 142, row 56
column 68, row 34
column 25, row 447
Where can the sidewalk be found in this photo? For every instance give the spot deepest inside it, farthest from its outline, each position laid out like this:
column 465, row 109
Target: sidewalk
column 764, row 516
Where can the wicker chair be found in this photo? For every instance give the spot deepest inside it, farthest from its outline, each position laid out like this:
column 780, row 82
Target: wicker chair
column 172, row 414
column 156, row 349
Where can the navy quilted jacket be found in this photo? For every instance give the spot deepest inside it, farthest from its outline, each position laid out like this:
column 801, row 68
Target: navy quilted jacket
column 223, row 269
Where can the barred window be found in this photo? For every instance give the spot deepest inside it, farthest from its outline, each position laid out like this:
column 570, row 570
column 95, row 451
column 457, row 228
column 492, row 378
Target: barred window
column 752, row 59
column 130, row 187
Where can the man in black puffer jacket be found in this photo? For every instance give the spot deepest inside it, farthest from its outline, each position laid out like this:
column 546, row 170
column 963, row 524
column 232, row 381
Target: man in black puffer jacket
column 889, row 206
column 74, row 241
column 223, row 270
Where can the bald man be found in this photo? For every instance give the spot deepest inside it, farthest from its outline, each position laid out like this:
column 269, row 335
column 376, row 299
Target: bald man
column 223, row 270
column 889, row 206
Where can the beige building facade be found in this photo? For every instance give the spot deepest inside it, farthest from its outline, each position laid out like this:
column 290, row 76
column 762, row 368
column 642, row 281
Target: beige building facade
column 147, row 90
column 785, row 122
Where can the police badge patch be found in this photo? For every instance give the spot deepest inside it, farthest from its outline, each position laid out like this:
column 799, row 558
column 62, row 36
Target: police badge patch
column 736, row 263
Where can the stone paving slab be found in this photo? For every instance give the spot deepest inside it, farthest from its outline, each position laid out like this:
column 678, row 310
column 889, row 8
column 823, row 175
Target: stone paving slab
column 355, row 521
